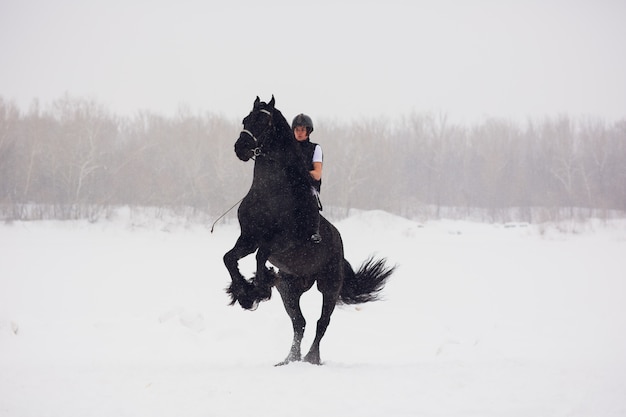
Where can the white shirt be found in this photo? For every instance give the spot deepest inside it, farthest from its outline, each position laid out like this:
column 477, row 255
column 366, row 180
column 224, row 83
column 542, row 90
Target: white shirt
column 317, row 154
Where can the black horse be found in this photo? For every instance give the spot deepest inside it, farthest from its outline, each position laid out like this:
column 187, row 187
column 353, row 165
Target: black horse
column 274, row 218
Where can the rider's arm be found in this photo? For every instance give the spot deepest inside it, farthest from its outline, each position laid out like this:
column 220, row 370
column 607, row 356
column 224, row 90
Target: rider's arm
column 317, row 171
column 318, row 157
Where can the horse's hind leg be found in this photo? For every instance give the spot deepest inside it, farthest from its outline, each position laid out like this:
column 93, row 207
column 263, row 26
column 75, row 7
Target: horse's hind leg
column 328, row 306
column 291, row 289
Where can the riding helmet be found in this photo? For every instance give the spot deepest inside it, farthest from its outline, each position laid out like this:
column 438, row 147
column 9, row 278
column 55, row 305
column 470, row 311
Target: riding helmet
column 303, row 120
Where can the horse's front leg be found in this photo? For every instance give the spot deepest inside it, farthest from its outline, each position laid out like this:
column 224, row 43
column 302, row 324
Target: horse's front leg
column 240, row 289
column 265, row 278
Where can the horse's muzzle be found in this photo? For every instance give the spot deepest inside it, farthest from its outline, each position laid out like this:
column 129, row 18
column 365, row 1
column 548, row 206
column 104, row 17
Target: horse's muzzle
column 244, row 147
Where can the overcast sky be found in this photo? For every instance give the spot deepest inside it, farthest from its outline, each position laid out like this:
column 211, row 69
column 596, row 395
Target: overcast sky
column 339, row 59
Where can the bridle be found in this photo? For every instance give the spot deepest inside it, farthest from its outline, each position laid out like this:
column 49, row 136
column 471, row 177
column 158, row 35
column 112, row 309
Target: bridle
column 258, row 150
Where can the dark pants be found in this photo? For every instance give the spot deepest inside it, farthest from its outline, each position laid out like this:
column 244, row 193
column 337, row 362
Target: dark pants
column 308, row 214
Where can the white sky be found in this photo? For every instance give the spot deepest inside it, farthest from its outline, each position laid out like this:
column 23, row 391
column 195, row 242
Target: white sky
column 339, row 59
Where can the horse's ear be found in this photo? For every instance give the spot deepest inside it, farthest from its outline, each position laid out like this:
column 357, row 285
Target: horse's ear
column 256, row 102
column 272, row 102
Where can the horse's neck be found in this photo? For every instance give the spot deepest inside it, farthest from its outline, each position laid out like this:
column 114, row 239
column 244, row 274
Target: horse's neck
column 269, row 174
column 281, row 173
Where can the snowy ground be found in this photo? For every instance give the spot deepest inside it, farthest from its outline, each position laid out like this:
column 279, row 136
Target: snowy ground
column 129, row 318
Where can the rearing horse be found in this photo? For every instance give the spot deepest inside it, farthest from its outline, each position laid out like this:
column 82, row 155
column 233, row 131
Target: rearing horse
column 273, row 218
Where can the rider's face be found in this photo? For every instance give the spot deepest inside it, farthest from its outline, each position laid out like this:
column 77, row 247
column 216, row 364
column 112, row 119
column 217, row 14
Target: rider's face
column 300, row 133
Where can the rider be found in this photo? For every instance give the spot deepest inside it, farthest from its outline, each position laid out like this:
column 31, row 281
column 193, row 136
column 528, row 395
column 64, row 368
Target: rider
column 302, row 126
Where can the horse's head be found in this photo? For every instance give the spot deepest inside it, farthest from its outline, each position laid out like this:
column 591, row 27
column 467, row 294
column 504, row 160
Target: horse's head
column 257, row 129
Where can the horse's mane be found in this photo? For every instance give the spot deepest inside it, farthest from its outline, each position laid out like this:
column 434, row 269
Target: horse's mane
column 296, row 165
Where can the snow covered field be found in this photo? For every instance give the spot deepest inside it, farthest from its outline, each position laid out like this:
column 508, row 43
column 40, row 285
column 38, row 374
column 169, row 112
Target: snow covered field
column 129, row 317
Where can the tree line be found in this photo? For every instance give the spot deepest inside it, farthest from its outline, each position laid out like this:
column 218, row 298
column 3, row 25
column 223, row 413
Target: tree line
column 74, row 159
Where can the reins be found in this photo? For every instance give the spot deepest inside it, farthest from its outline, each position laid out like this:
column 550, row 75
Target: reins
column 225, row 213
column 257, row 151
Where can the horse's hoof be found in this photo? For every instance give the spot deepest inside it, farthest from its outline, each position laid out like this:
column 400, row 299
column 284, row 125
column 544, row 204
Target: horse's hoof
column 288, row 361
column 313, row 359
column 263, row 293
column 248, row 304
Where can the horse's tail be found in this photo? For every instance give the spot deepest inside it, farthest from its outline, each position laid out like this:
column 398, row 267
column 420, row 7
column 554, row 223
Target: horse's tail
column 365, row 284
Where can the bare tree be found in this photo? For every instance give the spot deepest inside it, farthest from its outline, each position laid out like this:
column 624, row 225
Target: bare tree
column 76, row 158
column 9, row 118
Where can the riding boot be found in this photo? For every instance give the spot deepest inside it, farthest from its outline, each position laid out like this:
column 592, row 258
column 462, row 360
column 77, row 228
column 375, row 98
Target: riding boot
column 316, row 237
